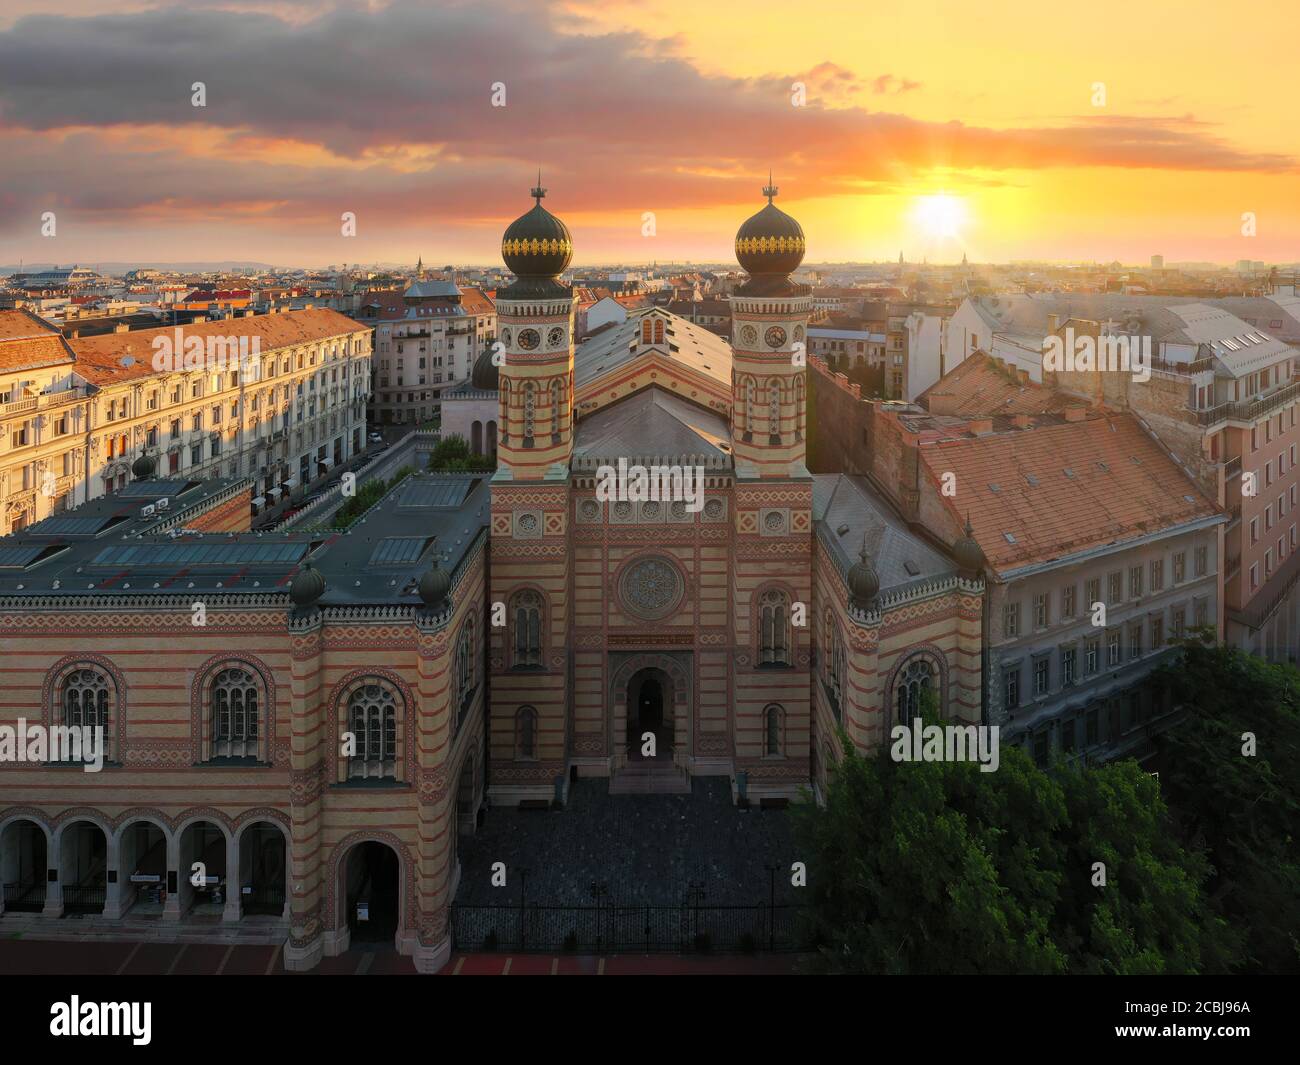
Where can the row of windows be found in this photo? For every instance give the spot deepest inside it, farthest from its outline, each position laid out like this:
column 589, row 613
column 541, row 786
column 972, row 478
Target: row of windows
column 1270, row 428
column 1103, row 723
column 1098, row 653
column 1140, row 580
column 1285, row 544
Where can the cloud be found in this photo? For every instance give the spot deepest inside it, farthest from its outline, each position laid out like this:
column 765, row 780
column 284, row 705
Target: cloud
column 390, row 108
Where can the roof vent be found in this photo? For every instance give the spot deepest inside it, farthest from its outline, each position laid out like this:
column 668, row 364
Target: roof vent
column 1010, row 539
column 1031, row 479
column 994, row 487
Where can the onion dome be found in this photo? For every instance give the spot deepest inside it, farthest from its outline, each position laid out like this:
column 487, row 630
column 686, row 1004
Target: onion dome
column 434, row 587
column 307, row 587
column 537, row 248
column 863, row 582
column 967, row 553
column 486, row 373
column 770, row 242
column 143, row 467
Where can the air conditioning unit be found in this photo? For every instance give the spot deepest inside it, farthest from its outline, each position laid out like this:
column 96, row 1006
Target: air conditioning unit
column 147, row 510
column 163, row 503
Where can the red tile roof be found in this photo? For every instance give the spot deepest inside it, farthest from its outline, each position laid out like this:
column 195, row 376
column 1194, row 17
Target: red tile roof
column 27, row 342
column 1064, row 488
column 99, row 358
column 977, row 387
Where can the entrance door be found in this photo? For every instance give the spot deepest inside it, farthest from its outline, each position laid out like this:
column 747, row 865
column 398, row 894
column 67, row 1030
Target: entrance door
column 645, row 713
column 372, row 895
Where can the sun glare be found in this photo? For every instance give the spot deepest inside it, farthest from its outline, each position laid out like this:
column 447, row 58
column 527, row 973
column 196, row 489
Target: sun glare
column 940, row 216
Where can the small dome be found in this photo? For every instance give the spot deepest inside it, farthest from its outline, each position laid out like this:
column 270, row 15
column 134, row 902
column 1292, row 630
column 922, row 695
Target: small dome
column 537, row 244
column 486, row 373
column 434, row 587
column 307, row 587
column 966, row 551
column 143, row 467
column 770, row 242
column 863, row 582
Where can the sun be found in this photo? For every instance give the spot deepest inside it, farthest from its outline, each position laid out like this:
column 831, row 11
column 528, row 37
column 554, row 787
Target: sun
column 940, row 216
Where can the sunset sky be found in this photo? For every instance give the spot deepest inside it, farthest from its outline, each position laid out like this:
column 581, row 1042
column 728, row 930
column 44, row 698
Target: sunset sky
column 663, row 106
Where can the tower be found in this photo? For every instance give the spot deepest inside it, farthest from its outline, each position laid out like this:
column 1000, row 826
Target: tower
column 529, row 574
column 772, row 504
column 769, row 326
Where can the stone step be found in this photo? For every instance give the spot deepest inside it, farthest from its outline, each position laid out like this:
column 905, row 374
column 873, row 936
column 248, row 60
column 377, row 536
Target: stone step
column 650, row 778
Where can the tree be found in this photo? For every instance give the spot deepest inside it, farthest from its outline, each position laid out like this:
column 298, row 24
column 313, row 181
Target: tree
column 1230, row 771
column 452, row 455
column 927, row 867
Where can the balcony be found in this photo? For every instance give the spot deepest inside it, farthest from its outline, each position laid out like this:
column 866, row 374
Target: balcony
column 1247, row 410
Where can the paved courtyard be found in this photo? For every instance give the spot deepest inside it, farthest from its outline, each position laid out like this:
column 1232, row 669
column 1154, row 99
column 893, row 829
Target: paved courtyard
column 648, row 849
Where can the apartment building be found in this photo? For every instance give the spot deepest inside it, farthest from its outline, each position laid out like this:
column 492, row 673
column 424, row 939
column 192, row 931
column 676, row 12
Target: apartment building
column 426, row 338
column 278, row 398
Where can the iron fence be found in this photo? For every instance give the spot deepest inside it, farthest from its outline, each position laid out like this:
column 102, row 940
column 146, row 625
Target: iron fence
column 27, row 896
column 85, row 898
column 610, row 928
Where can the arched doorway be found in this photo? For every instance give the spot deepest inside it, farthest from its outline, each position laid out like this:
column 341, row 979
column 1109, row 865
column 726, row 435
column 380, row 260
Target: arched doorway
column 372, row 892
column 262, row 870
column 476, row 438
column 650, row 710
column 83, row 869
column 203, row 842
column 142, row 868
column 23, row 862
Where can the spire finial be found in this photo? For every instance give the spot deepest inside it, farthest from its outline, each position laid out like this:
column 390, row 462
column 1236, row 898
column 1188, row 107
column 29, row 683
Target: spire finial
column 968, row 530
column 862, row 551
column 769, row 190
column 537, row 192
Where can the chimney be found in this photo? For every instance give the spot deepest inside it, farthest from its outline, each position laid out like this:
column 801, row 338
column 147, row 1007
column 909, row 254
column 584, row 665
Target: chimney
column 1022, row 421
column 981, row 426
column 122, row 327
column 1076, row 414
column 1052, row 322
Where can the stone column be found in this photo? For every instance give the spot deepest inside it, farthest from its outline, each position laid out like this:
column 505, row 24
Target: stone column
column 53, row 893
column 113, row 875
column 234, row 907
column 172, row 907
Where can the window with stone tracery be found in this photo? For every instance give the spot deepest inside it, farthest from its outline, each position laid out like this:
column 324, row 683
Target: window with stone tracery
column 526, row 732
column 557, row 407
column 530, row 412
column 372, row 720
column 916, row 678
column 774, row 629
column 772, row 722
column 774, row 410
column 526, row 611
column 234, row 714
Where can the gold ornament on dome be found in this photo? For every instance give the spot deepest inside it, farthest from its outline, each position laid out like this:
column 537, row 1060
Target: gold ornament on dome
column 779, row 245
column 533, row 246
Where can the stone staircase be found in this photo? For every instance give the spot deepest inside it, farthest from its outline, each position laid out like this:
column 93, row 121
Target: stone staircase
column 650, row 776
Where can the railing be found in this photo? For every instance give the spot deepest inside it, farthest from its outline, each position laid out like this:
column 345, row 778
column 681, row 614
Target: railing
column 610, row 928
column 1247, row 410
column 85, row 898
column 27, row 896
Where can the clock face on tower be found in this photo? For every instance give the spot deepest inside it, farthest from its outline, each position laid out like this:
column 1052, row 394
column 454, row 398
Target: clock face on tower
column 529, row 339
column 555, row 337
column 505, row 337
column 775, row 336
column 748, row 334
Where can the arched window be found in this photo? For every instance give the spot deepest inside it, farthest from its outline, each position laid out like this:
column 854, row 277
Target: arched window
column 774, row 410
column 234, row 714
column 372, row 720
column 772, row 722
column 834, row 663
column 85, row 699
column 505, row 409
column 774, row 629
column 530, row 411
column 557, row 407
column 527, row 642
column 916, row 677
column 526, row 732
column 466, row 674
column 801, row 407
column 659, row 330
column 751, row 404
column 645, row 331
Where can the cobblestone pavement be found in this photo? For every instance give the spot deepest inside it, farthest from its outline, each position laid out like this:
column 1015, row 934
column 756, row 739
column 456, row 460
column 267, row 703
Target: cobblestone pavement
column 648, row 849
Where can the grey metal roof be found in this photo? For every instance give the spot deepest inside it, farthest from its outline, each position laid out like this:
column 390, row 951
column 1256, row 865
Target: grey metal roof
column 653, row 423
column 435, row 492
column 399, row 550
column 685, row 342
column 849, row 511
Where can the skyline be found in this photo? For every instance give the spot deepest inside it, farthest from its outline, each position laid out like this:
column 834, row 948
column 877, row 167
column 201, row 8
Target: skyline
column 631, row 109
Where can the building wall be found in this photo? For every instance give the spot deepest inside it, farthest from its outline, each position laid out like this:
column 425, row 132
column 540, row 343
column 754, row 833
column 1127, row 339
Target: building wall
column 160, row 669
